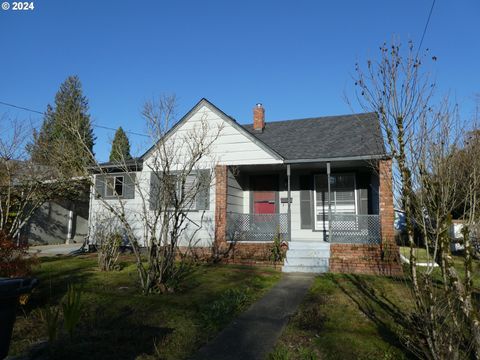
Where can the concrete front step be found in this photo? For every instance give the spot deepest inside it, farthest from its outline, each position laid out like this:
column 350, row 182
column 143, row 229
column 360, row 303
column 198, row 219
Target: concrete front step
column 321, row 253
column 307, row 256
column 305, row 269
column 296, row 244
column 307, row 261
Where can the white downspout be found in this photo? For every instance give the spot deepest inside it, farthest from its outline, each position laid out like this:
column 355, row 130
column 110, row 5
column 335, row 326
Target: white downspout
column 70, row 223
column 91, row 197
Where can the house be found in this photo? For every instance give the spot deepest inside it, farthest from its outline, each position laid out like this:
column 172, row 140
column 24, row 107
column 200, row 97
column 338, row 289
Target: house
column 62, row 221
column 323, row 185
column 63, row 215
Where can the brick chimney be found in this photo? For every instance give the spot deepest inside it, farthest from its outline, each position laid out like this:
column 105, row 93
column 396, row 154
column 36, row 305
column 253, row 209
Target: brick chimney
column 258, row 117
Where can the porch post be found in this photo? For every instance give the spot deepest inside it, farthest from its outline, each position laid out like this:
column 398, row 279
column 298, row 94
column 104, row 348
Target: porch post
column 329, row 201
column 386, row 209
column 289, row 194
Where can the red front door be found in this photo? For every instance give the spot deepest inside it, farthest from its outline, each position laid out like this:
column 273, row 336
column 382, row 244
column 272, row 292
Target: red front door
column 264, row 199
column 264, row 202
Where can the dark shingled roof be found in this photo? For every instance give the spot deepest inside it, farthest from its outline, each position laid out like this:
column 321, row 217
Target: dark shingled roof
column 323, row 137
column 134, row 164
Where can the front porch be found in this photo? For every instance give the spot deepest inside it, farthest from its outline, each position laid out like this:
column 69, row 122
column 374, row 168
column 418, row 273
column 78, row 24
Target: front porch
column 256, row 227
column 303, row 202
column 315, row 211
column 344, row 228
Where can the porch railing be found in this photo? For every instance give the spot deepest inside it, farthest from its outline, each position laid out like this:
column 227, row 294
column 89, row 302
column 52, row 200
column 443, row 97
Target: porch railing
column 355, row 229
column 256, row 227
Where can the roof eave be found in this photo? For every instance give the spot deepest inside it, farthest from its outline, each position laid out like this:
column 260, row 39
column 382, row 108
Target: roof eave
column 343, row 158
column 108, row 167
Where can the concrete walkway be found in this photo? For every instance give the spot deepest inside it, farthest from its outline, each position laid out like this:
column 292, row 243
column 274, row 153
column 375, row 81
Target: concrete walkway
column 53, row 250
column 254, row 333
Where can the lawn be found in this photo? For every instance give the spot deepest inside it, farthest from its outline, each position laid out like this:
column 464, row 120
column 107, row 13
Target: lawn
column 420, row 254
column 118, row 322
column 342, row 317
column 352, row 317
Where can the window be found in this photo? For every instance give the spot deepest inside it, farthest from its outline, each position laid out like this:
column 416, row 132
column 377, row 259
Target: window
column 343, row 193
column 195, row 194
column 342, row 190
column 342, row 187
column 110, row 186
column 189, row 190
column 114, row 186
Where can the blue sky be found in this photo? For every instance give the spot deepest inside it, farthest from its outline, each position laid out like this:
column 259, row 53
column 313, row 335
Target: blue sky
column 295, row 57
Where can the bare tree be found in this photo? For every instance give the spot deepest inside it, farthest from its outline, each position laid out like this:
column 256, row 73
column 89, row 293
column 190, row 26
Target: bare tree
column 470, row 161
column 109, row 240
column 175, row 180
column 422, row 140
column 24, row 185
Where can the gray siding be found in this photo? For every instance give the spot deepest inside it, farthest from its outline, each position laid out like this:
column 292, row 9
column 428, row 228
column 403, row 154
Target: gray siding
column 49, row 224
column 235, row 194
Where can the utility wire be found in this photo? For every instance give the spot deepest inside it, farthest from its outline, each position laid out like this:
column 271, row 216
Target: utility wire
column 22, row 108
column 426, row 27
column 94, row 125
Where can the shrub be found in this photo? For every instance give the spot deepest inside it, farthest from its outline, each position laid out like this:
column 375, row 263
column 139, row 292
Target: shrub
column 109, row 251
column 50, row 316
column 180, row 271
column 222, row 310
column 14, row 258
column 277, row 253
column 72, row 308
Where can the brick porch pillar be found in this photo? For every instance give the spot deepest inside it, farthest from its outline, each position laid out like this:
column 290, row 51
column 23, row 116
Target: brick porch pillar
column 220, row 204
column 386, row 201
column 373, row 259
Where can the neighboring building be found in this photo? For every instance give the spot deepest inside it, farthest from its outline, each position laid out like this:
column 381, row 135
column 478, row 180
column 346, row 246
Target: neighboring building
column 259, row 167
column 59, row 222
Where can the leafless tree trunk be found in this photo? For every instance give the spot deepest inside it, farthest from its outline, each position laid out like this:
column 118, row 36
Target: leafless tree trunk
column 24, row 186
column 177, row 170
column 423, row 140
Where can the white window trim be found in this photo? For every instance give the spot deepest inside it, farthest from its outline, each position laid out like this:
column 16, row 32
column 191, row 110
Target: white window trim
column 114, row 194
column 316, row 226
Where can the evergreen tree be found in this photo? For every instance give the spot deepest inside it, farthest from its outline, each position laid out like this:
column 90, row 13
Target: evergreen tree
column 42, row 140
column 120, row 147
column 66, row 139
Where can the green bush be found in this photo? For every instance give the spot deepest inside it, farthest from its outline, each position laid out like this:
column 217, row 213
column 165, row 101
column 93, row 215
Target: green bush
column 50, row 317
column 277, row 254
column 222, row 310
column 72, row 309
